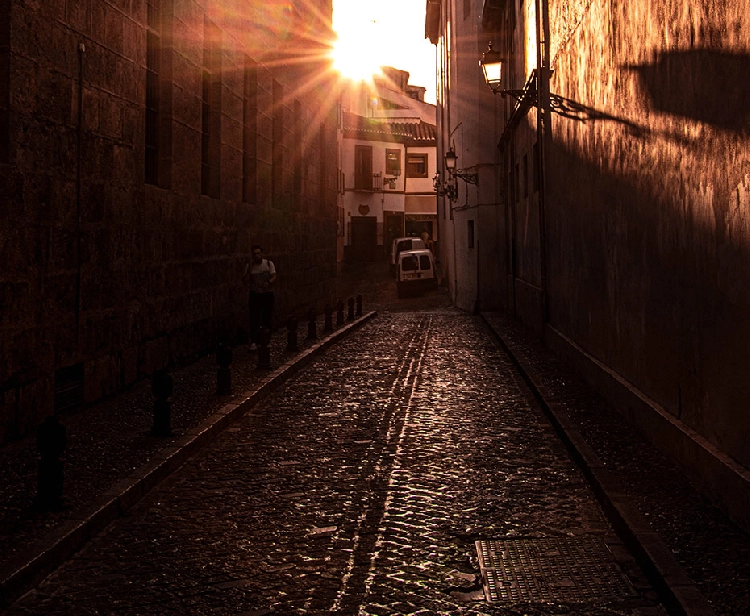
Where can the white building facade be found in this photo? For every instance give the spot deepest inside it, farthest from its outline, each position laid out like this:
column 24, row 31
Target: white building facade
column 388, row 159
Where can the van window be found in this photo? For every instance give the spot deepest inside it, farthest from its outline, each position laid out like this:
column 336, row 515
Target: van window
column 404, row 245
column 424, row 262
column 410, row 263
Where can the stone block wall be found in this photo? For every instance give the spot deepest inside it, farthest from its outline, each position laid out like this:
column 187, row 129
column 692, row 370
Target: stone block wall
column 647, row 202
column 120, row 277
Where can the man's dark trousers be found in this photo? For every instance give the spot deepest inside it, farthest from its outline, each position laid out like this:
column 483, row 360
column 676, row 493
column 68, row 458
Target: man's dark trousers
column 260, row 306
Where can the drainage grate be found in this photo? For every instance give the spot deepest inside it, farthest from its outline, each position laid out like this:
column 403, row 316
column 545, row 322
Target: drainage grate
column 570, row 569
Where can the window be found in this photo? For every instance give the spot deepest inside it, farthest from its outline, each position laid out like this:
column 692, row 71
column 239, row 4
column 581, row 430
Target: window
column 410, row 263
column 525, row 175
column 362, row 167
column 211, row 111
column 416, row 166
column 4, row 81
column 250, row 133
column 299, row 158
column 393, row 162
column 277, row 143
column 153, row 48
column 323, row 167
column 471, row 233
column 158, row 120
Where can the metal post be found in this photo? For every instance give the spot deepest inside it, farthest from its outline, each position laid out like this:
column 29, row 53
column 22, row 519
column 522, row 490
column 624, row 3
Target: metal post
column 359, row 305
column 350, row 309
column 312, row 326
column 339, row 313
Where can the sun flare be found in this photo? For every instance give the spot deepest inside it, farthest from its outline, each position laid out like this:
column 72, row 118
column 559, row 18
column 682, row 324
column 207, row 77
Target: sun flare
column 355, row 57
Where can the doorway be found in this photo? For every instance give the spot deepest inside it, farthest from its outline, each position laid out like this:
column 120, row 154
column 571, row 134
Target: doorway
column 364, row 238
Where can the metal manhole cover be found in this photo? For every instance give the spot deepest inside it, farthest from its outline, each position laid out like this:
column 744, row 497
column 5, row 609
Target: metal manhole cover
column 571, row 569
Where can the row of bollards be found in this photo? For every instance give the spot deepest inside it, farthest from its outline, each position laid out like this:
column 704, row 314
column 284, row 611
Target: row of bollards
column 52, row 435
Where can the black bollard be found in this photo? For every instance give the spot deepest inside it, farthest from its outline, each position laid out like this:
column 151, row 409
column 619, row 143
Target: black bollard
column 264, row 350
column 339, row 313
column 224, row 371
column 162, row 386
column 50, row 443
column 328, row 326
column 350, row 309
column 359, row 305
column 312, row 326
column 291, row 334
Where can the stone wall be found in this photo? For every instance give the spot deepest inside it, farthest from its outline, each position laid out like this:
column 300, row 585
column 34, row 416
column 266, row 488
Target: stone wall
column 115, row 277
column 647, row 202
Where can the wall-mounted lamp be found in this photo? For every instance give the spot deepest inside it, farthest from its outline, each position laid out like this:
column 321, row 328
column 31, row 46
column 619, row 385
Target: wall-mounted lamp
column 492, row 67
column 445, row 189
column 450, row 164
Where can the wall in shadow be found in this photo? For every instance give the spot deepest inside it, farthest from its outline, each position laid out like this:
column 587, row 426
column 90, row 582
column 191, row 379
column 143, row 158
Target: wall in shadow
column 707, row 85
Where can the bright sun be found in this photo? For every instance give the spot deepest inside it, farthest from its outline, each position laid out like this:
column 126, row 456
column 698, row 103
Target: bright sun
column 354, row 56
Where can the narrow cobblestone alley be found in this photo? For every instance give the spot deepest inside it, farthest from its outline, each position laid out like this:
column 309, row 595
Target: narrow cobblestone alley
column 361, row 488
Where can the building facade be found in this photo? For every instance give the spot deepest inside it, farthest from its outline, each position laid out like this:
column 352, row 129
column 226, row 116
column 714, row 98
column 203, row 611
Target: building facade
column 387, row 161
column 616, row 202
column 144, row 147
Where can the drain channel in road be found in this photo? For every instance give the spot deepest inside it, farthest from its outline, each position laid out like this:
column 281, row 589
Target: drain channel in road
column 399, row 397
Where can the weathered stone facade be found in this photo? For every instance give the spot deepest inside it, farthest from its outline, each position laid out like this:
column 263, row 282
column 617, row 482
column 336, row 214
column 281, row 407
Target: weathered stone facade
column 622, row 214
column 648, row 195
column 123, row 235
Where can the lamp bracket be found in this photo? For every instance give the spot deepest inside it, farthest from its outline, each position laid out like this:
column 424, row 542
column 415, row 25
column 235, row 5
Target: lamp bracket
column 445, row 188
column 469, row 178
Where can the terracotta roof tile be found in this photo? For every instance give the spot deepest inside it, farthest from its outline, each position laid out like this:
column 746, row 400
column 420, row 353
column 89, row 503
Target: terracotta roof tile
column 382, row 129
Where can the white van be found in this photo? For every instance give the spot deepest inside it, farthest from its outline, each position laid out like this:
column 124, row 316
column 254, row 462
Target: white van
column 404, row 243
column 415, row 269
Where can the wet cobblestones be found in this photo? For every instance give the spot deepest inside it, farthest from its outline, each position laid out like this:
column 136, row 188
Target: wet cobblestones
column 713, row 551
column 358, row 489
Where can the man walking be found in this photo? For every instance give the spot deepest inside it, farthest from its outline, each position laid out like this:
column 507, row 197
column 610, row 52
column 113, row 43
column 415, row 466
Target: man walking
column 259, row 275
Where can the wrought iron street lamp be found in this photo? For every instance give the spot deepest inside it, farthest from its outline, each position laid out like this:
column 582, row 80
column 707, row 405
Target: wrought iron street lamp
column 492, row 67
column 451, row 159
column 445, row 189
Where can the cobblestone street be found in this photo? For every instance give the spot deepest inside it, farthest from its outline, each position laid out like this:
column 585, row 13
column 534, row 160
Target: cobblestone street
column 361, row 488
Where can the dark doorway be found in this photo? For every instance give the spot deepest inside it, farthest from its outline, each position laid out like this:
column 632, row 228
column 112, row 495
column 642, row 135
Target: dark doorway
column 364, row 238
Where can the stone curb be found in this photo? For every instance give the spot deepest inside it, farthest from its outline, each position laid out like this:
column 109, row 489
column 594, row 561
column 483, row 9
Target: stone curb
column 65, row 541
column 677, row 591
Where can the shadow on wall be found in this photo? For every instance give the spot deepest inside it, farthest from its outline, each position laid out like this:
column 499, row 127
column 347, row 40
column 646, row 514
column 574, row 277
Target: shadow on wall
column 573, row 110
column 706, row 85
column 643, row 287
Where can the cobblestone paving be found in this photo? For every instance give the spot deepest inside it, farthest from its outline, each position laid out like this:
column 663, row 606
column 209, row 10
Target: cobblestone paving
column 358, row 489
column 713, row 551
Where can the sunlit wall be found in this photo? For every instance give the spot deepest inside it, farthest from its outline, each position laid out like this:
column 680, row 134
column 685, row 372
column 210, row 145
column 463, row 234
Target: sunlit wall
column 648, row 189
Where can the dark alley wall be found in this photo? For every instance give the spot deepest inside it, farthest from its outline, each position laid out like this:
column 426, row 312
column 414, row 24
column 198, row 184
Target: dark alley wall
column 648, row 202
column 107, row 274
